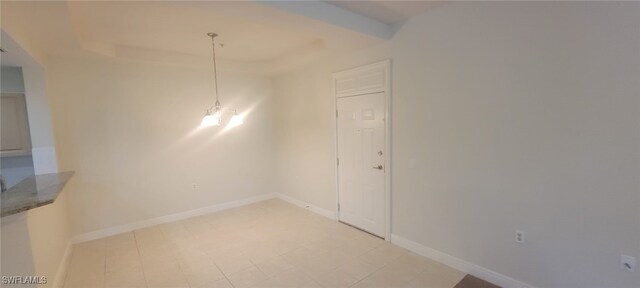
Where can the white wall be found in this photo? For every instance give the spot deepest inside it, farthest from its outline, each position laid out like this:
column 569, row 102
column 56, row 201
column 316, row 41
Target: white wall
column 50, row 232
column 39, row 112
column 304, row 132
column 130, row 131
column 505, row 116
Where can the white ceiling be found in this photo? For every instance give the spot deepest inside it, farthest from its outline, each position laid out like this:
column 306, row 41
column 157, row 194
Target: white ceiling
column 181, row 28
column 255, row 32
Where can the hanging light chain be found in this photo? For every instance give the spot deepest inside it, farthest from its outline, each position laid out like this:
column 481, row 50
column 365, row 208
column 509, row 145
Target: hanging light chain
column 215, row 71
column 214, row 119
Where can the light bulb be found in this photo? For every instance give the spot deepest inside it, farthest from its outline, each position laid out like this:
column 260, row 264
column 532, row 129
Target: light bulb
column 236, row 120
column 211, row 119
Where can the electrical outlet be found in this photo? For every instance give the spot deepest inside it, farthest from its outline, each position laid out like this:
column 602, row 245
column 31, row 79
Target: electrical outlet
column 519, row 236
column 628, row 263
column 196, row 186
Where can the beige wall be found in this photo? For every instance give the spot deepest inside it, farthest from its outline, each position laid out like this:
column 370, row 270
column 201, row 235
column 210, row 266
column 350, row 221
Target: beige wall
column 505, row 116
column 305, row 128
column 50, row 231
column 304, row 134
column 130, row 131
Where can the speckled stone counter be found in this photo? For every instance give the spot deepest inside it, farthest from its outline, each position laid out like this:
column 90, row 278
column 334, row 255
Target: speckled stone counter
column 33, row 192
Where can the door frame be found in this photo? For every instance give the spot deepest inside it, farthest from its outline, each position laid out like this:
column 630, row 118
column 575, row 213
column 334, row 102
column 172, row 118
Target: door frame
column 385, row 88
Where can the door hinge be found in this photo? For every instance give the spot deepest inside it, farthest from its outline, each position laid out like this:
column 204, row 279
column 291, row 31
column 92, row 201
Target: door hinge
column 338, row 207
column 338, row 161
column 336, row 113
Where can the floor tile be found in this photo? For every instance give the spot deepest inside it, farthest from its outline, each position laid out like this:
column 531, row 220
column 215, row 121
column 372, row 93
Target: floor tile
column 125, row 278
column 200, row 271
column 358, row 268
column 165, row 276
column 335, row 279
column 221, row 283
column 269, row 283
column 296, row 279
column 247, row 277
column 267, row 244
column 232, row 264
column 275, row 267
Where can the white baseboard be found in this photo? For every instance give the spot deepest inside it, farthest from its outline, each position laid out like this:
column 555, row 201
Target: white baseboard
column 464, row 266
column 324, row 212
column 168, row 218
column 196, row 212
column 58, row 281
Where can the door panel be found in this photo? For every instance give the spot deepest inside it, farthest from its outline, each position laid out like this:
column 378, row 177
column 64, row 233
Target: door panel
column 361, row 173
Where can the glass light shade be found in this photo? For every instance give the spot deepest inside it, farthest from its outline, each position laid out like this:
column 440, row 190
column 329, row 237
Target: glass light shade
column 211, row 119
column 236, row 120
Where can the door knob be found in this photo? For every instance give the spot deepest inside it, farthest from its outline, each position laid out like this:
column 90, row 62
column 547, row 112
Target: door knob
column 379, row 167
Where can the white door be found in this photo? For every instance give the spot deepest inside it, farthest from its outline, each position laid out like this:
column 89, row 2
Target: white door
column 361, row 167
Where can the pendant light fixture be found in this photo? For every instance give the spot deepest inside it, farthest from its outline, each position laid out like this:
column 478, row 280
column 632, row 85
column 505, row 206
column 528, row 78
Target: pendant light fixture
column 213, row 117
column 236, row 120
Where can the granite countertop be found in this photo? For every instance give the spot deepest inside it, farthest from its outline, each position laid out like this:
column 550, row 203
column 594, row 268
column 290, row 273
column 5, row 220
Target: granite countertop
column 33, row 192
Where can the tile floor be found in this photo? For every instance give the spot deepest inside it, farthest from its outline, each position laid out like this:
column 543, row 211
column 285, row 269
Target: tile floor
column 268, row 244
